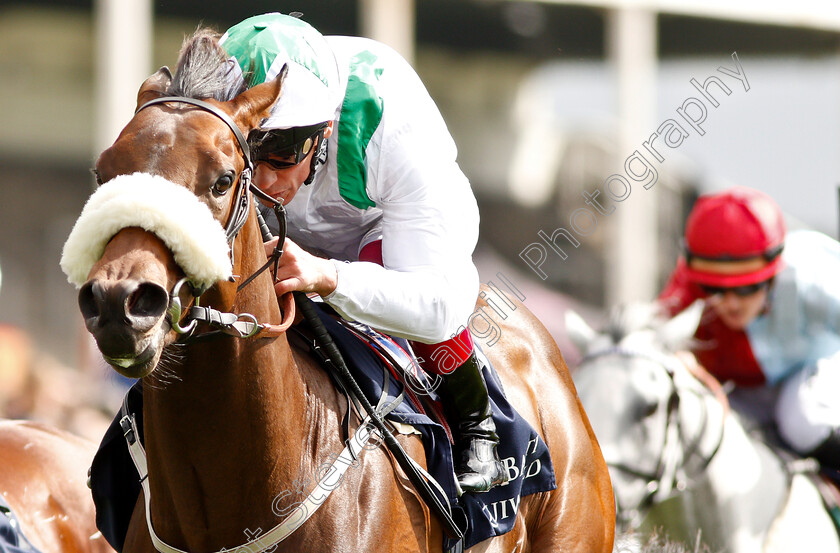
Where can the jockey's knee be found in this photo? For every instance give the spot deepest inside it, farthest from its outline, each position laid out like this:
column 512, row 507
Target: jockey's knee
column 444, row 357
column 808, row 411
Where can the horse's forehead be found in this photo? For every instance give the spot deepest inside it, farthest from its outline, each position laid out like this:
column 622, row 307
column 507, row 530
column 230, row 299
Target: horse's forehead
column 163, row 126
column 623, row 376
column 641, row 340
column 159, row 140
column 604, row 380
column 179, row 127
column 651, row 377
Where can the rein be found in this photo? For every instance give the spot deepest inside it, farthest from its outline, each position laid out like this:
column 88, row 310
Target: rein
column 665, row 477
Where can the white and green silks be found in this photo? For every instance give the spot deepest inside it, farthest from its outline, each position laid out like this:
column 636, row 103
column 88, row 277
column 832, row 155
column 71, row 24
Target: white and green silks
column 390, row 174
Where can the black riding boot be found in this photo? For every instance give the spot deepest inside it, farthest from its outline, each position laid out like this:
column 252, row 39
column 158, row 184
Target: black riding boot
column 477, row 463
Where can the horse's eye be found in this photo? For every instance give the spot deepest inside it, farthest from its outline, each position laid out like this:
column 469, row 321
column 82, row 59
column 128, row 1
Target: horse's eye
column 223, row 184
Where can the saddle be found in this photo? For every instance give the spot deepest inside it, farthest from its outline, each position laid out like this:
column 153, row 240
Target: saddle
column 387, row 375
column 522, row 451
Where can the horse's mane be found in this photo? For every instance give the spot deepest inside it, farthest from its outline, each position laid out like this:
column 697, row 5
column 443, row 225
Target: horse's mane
column 203, row 69
column 628, row 318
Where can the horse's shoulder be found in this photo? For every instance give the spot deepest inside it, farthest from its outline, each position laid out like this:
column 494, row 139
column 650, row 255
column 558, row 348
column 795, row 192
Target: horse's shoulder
column 36, row 456
column 43, row 473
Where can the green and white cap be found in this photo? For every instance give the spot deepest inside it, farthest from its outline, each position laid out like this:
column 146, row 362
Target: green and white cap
column 262, row 44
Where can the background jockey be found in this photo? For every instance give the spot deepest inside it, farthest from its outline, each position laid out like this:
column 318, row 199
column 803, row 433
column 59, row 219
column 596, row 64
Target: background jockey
column 359, row 154
column 772, row 320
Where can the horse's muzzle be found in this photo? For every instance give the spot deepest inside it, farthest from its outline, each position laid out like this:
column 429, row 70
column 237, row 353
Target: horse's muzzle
column 120, row 314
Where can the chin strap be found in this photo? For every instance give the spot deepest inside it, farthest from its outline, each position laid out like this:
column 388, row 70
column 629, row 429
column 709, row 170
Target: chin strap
column 318, row 158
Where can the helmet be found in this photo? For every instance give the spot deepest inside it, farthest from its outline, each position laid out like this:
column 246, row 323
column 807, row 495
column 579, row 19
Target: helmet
column 738, row 224
column 261, row 45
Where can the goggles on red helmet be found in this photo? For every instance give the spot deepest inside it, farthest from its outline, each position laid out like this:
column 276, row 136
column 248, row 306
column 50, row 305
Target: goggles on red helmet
column 740, row 291
column 768, row 255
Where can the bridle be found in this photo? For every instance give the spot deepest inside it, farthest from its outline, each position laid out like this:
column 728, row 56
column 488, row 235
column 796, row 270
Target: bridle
column 242, row 325
column 240, row 207
column 672, row 469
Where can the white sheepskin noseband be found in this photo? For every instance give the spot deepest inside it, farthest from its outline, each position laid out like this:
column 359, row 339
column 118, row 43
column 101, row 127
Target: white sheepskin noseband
column 157, row 205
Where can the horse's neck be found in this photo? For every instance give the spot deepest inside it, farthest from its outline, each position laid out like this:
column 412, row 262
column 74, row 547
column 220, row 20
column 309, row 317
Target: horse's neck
column 743, row 486
column 223, row 436
column 703, row 423
column 744, row 463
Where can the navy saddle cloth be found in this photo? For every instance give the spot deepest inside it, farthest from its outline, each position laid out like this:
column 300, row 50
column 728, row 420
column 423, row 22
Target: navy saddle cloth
column 116, row 487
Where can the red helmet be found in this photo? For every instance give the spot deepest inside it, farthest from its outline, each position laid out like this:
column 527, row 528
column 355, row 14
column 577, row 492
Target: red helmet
column 735, row 225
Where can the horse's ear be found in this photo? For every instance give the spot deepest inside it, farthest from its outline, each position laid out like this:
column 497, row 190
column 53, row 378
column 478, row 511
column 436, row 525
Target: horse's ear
column 155, row 86
column 677, row 333
column 578, row 331
column 252, row 106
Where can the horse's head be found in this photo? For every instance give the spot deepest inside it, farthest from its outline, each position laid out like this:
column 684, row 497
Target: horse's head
column 630, row 382
column 171, row 195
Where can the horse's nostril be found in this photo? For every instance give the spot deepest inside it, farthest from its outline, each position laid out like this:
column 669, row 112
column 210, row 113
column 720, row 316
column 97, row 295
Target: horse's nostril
column 123, row 304
column 87, row 302
column 148, row 300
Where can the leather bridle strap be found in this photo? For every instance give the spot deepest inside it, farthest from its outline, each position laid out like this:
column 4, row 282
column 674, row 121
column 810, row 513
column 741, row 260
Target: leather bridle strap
column 244, row 325
column 239, row 213
column 665, row 474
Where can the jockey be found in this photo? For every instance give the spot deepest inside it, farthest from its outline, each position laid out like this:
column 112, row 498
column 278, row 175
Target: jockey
column 772, row 319
column 382, row 223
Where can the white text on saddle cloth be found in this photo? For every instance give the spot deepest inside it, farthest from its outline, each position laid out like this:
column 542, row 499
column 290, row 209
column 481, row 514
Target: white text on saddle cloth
column 525, row 467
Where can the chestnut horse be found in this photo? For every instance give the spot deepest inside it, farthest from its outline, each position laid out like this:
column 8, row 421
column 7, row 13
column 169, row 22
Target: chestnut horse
column 43, row 475
column 232, row 424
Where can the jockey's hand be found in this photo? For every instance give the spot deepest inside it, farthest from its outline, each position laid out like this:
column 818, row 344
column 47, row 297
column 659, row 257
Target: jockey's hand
column 302, row 271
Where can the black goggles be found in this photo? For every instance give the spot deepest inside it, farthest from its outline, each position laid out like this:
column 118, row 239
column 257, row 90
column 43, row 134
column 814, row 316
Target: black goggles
column 280, row 149
column 740, row 291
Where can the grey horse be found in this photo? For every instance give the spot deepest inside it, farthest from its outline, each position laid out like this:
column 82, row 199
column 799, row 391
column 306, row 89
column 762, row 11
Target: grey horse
column 679, row 459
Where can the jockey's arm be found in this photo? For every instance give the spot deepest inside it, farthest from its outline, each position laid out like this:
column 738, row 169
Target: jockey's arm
column 428, row 286
column 420, row 303
column 807, row 295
